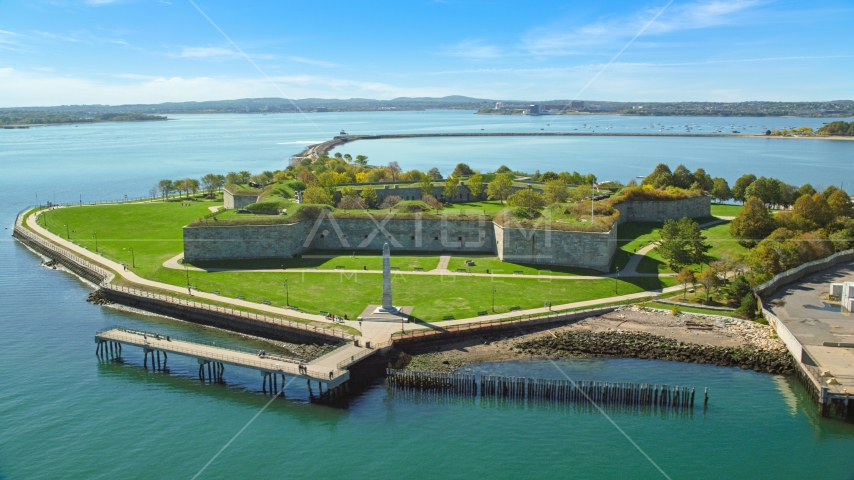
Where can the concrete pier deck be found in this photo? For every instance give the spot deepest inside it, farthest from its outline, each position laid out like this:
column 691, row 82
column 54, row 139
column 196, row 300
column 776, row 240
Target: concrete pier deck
column 324, row 369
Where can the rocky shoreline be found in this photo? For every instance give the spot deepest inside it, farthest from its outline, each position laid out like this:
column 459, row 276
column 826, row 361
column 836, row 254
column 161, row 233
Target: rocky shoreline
column 642, row 345
column 626, row 333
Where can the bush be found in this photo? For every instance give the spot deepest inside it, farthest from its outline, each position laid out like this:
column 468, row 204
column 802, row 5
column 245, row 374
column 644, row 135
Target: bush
column 650, row 193
column 412, row 206
column 391, row 201
column 270, row 208
column 748, row 306
column 351, row 202
column 674, row 311
column 432, row 202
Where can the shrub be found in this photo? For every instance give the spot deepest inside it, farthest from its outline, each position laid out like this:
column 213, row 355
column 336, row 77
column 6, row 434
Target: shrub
column 432, row 202
column 271, row 208
column 351, row 202
column 391, row 201
column 412, row 206
column 748, row 306
column 650, row 193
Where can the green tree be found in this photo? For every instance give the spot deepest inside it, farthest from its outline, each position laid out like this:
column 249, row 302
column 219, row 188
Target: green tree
column 761, row 189
column 685, row 278
column 660, row 177
column 682, row 243
column 682, row 177
column 709, row 280
column 452, row 188
column 720, row 190
column 549, row 176
column 814, row 208
column 348, row 158
column 165, row 187
column 348, row 191
column 361, row 160
column 244, row 176
column 703, row 179
column 527, row 198
column 840, row 204
column 317, row 195
column 476, row 185
column 394, row 170
column 805, row 189
column 738, row 289
column 211, row 183
column 369, row 196
column 555, row 191
column 739, row 190
column 426, row 184
column 462, row 170
column 503, row 169
column 500, row 187
column 752, row 224
column 748, row 307
column 434, row 174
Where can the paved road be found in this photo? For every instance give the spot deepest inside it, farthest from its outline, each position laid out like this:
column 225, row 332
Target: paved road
column 804, row 309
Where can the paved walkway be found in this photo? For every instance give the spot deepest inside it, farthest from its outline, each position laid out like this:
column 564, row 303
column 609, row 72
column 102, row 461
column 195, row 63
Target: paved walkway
column 444, row 260
column 376, row 332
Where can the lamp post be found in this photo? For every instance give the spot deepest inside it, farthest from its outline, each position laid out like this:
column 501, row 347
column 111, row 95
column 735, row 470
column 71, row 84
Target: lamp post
column 67, row 235
column 187, row 270
column 616, row 281
column 132, row 257
column 95, row 236
column 287, row 294
column 493, row 299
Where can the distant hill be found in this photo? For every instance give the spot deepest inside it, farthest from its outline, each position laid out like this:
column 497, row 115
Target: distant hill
column 836, row 108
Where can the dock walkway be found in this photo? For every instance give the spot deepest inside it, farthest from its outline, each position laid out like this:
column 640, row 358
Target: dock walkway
column 324, row 369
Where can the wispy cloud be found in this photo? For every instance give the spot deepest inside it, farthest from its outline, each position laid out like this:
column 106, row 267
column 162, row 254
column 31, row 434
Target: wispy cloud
column 99, row 2
column 555, row 40
column 473, row 49
column 215, row 53
column 319, row 63
column 10, row 41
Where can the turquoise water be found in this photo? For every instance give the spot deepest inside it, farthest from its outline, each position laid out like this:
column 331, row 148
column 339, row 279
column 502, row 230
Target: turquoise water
column 65, row 414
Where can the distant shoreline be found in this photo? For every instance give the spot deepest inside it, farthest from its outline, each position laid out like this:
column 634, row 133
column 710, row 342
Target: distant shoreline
column 325, row 147
column 28, row 125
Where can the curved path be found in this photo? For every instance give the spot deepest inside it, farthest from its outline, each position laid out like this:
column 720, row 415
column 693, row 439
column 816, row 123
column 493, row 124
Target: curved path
column 377, row 332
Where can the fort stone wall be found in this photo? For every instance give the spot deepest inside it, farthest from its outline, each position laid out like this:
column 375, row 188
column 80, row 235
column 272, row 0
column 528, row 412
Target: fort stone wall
column 554, row 247
column 244, row 241
column 659, row 211
column 231, row 200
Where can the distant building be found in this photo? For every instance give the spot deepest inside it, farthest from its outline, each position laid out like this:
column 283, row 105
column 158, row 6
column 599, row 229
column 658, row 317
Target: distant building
column 321, row 109
column 576, row 104
column 601, row 108
column 534, row 110
column 498, row 105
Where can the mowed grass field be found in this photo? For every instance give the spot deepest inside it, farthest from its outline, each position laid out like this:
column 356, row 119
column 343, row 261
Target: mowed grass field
column 718, row 237
column 154, row 231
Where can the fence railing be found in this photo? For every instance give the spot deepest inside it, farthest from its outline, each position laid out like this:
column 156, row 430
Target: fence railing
column 228, row 311
column 269, row 365
column 793, row 274
column 528, row 319
column 157, row 335
column 30, row 236
column 355, row 358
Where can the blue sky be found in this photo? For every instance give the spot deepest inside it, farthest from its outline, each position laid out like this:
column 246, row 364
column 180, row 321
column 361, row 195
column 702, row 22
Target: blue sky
column 57, row 52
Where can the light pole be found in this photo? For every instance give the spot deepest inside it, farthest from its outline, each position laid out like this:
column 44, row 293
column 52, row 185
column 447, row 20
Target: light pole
column 287, row 293
column 616, row 281
column 187, row 269
column 132, row 257
column 493, row 299
column 95, row 236
column 67, row 235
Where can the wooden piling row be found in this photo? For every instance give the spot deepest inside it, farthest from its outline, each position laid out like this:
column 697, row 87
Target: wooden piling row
column 461, row 383
column 622, row 394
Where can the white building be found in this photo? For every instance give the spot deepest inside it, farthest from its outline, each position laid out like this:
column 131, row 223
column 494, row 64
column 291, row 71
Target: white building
column 845, row 292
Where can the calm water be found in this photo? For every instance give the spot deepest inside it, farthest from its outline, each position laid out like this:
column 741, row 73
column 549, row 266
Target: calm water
column 64, row 414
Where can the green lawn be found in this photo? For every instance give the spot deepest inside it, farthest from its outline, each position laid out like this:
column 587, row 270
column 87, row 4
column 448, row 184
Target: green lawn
column 718, row 237
column 726, row 210
column 631, row 237
column 705, row 311
column 154, row 232
column 330, row 260
column 494, row 265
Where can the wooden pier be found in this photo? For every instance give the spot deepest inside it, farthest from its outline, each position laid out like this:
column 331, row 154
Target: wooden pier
column 213, row 359
column 621, row 394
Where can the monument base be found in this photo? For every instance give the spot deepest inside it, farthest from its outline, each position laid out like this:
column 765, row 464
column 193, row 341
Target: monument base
column 375, row 313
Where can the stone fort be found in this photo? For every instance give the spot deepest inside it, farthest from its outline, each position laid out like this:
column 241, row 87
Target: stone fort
column 476, row 235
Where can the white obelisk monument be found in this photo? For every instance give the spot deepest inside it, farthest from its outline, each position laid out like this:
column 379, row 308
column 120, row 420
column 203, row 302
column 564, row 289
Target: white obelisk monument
column 387, row 305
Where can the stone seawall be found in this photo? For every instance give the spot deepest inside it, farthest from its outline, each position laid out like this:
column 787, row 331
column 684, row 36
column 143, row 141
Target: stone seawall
column 555, row 247
column 659, row 211
column 220, row 319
